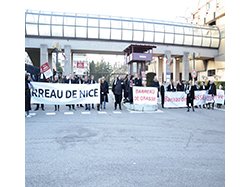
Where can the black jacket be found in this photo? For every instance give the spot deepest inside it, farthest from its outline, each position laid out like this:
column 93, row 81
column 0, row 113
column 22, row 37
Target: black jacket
column 117, row 87
column 212, row 89
column 169, row 89
column 190, row 92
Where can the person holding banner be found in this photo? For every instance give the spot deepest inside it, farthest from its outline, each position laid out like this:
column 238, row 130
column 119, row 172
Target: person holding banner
column 179, row 86
column 212, row 91
column 162, row 91
column 104, row 92
column 117, row 90
column 92, row 81
column 71, row 80
column 170, row 87
column 189, row 90
column 57, row 80
column 28, row 86
column 41, row 78
column 203, row 87
column 137, row 80
column 126, row 88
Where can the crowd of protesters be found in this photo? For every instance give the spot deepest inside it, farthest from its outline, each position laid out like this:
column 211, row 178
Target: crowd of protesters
column 189, row 88
column 122, row 89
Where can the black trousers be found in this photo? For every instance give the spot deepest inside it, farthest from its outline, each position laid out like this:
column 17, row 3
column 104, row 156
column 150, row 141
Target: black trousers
column 118, row 100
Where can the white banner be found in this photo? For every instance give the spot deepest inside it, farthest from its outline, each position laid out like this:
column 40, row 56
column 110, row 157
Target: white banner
column 178, row 99
column 144, row 95
column 61, row 94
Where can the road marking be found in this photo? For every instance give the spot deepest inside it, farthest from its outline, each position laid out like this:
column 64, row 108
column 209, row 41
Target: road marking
column 68, row 113
column 50, row 113
column 32, row 114
column 86, row 112
column 135, row 112
column 145, row 112
column 102, row 112
column 117, row 112
column 220, row 109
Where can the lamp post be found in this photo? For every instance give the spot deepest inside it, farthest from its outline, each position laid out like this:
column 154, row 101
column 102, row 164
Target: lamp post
column 57, row 63
column 57, row 49
column 193, row 71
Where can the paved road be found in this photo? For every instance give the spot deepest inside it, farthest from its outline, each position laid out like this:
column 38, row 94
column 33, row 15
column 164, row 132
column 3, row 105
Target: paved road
column 169, row 147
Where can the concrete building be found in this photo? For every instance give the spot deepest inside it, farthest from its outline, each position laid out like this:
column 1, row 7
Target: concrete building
column 209, row 13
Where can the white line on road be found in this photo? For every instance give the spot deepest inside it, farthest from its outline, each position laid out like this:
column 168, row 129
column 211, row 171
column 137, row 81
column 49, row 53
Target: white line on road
column 86, row 112
column 147, row 112
column 220, row 109
column 50, row 113
column 102, row 112
column 68, row 113
column 117, row 112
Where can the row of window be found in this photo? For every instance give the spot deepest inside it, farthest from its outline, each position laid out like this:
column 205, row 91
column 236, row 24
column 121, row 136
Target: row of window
column 117, row 34
column 115, row 24
column 111, row 29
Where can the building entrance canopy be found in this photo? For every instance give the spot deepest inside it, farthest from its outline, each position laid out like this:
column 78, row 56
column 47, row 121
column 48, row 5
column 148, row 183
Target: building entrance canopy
column 80, row 26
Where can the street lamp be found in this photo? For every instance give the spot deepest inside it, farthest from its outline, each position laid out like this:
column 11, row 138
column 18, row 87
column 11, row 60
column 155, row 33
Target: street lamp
column 56, row 49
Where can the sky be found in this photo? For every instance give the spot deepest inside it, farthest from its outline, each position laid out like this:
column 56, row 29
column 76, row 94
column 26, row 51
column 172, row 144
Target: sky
column 157, row 9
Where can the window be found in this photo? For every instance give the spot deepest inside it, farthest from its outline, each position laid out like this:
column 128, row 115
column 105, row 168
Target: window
column 81, row 32
column 69, row 31
column 31, row 29
column 57, row 20
column 211, row 72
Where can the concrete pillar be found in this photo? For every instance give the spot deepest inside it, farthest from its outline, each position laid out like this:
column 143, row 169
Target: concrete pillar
column 43, row 54
column 68, row 61
column 185, row 66
column 176, row 70
column 161, row 71
column 167, row 60
column 157, row 68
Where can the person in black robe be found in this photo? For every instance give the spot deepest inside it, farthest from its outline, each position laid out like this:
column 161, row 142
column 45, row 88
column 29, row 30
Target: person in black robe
column 162, row 92
column 104, row 92
column 126, row 88
column 170, row 87
column 117, row 90
column 179, row 87
column 212, row 91
column 28, row 85
column 71, row 80
column 41, row 78
column 137, row 80
column 189, row 90
column 203, row 87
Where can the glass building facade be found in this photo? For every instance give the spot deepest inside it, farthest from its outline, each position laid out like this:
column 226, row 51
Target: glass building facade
column 83, row 26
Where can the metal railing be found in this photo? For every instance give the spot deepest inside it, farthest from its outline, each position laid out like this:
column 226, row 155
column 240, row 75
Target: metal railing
column 81, row 26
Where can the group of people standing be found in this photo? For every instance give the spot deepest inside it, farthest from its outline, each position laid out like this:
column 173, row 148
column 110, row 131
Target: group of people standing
column 189, row 88
column 121, row 88
column 70, row 79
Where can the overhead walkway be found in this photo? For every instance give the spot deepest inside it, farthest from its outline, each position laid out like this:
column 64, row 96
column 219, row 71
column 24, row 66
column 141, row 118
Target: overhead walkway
column 40, row 24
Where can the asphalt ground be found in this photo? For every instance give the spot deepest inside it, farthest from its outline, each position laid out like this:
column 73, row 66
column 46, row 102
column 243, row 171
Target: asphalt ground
column 167, row 147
